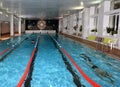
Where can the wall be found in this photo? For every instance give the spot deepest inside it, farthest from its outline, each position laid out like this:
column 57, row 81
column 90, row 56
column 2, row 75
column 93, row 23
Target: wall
column 31, row 24
column 5, row 24
column 5, row 27
column 96, row 18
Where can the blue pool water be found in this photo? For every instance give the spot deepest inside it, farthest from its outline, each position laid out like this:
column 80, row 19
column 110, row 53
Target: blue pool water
column 49, row 69
column 104, row 62
column 12, row 68
column 12, row 41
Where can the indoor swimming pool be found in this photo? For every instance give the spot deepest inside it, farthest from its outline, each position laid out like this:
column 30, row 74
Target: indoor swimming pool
column 51, row 67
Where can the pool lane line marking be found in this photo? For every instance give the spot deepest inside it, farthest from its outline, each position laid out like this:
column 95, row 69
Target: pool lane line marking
column 94, row 84
column 28, row 65
column 27, row 69
column 4, row 51
column 76, row 78
column 27, row 82
column 69, row 67
column 12, row 48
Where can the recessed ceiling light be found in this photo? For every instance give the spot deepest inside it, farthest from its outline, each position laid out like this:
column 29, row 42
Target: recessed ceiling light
column 1, row 12
column 78, row 8
column 81, row 3
column 96, row 2
column 60, row 17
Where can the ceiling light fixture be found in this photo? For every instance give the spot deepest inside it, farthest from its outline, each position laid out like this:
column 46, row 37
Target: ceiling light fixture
column 96, row 2
column 1, row 12
column 78, row 8
column 81, row 3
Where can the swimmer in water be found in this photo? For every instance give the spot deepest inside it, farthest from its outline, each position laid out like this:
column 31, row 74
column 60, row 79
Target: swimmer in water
column 101, row 73
column 85, row 57
column 33, row 41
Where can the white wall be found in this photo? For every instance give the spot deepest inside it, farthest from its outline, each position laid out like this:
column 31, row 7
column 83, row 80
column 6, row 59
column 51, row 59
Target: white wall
column 87, row 19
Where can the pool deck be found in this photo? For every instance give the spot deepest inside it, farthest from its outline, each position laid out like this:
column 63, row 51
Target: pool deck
column 7, row 36
column 115, row 53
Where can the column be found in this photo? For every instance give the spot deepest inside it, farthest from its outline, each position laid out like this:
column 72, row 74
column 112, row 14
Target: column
column 24, row 25
column 71, row 24
column 80, row 19
column 103, row 19
column 74, row 23
column 119, row 32
column 11, row 25
column 85, row 17
column 92, row 18
column 19, row 26
column 59, row 25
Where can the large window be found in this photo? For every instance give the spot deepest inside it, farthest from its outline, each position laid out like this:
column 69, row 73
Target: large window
column 117, row 4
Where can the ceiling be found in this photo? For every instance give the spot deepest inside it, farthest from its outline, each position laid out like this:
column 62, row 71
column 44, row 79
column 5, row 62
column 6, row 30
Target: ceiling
column 49, row 9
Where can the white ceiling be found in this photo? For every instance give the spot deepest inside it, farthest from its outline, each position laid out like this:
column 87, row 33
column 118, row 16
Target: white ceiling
column 44, row 8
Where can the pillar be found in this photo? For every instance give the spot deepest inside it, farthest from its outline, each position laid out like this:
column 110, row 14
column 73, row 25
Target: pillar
column 119, row 32
column 71, row 24
column 103, row 18
column 85, row 17
column 19, row 26
column 92, row 19
column 11, row 25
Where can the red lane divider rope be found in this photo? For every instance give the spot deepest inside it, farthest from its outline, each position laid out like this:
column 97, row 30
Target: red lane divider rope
column 27, row 69
column 94, row 84
column 1, row 53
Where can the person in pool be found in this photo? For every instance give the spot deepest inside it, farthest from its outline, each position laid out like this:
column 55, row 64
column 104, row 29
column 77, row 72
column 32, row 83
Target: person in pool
column 33, row 41
column 101, row 73
column 85, row 57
